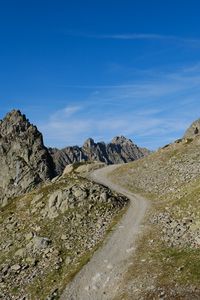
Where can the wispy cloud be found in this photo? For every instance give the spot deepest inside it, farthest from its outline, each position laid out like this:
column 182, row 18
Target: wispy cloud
column 126, row 36
column 147, row 129
column 65, row 113
column 64, row 127
column 153, row 112
column 135, row 36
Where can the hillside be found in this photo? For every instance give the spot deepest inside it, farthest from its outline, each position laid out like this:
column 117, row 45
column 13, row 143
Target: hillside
column 167, row 262
column 47, row 235
column 52, row 225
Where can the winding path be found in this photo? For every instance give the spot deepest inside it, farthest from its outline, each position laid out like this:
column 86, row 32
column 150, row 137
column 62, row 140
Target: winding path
column 100, row 277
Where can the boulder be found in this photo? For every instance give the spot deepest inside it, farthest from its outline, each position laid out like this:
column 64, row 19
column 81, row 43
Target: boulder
column 193, row 130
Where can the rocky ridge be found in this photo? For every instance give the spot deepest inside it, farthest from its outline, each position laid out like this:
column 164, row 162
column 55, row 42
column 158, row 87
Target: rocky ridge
column 119, row 150
column 25, row 161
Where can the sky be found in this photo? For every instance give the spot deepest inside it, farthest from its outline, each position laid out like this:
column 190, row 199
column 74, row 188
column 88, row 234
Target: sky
column 97, row 68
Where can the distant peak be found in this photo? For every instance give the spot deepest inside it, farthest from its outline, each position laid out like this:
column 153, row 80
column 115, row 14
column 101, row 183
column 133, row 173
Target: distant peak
column 120, row 139
column 88, row 143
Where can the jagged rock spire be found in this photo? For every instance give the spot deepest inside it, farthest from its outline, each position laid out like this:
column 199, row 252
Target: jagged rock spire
column 24, row 159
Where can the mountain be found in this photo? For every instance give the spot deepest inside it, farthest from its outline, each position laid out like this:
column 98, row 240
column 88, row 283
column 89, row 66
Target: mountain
column 119, row 150
column 193, row 130
column 51, row 227
column 65, row 157
column 25, row 161
column 49, row 234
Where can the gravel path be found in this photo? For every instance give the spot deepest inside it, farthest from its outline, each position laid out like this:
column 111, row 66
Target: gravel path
column 99, row 279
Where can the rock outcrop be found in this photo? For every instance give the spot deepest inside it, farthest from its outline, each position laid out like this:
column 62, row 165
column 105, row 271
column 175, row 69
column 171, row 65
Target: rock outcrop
column 65, row 157
column 119, row 150
column 193, row 130
column 24, row 160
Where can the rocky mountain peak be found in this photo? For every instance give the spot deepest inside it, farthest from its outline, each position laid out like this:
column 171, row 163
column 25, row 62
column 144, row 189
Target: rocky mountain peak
column 15, row 117
column 193, row 130
column 88, row 143
column 24, row 159
column 14, row 121
column 121, row 140
column 14, row 114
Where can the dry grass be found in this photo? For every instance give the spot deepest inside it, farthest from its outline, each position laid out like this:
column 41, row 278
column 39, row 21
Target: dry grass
column 156, row 267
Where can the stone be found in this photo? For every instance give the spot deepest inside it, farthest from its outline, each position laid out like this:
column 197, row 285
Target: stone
column 64, row 237
column 55, row 179
column 104, row 196
column 29, row 236
column 80, row 194
column 68, row 260
column 53, row 296
column 41, row 242
column 58, row 202
column 5, row 270
column 55, row 199
column 20, row 252
column 16, row 267
column 68, row 169
column 31, row 261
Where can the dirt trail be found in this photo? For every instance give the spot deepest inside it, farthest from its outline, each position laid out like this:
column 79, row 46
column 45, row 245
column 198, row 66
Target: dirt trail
column 99, row 279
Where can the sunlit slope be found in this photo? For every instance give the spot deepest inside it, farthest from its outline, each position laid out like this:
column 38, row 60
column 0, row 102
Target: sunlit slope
column 47, row 235
column 168, row 256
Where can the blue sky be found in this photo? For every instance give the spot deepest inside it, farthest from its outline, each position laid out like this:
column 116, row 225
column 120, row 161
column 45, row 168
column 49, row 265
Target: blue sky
column 98, row 69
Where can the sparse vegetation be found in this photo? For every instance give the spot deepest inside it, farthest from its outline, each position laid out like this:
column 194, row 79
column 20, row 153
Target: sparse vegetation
column 166, row 263
column 42, row 246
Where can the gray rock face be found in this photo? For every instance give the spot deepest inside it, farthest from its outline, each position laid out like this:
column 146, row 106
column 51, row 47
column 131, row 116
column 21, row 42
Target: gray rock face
column 65, row 157
column 123, row 150
column 193, row 130
column 119, row 150
column 24, row 160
